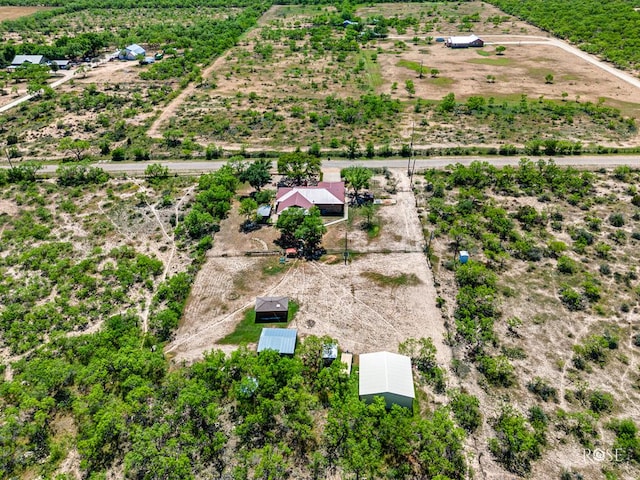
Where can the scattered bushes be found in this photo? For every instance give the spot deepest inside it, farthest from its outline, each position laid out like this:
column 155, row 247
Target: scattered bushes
column 594, row 348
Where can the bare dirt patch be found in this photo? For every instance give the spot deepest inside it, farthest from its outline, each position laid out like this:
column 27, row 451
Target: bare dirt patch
column 11, row 13
column 8, row 207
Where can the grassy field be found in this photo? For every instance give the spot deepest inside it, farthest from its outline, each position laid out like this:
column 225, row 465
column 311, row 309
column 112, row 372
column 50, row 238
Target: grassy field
column 248, row 331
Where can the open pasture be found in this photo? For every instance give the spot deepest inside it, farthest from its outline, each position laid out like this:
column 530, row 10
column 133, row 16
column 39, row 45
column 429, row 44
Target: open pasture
column 299, row 79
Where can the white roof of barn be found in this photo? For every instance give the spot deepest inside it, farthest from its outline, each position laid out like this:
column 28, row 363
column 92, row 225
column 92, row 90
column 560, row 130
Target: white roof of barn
column 20, row 59
column 385, row 372
column 467, row 39
column 135, row 49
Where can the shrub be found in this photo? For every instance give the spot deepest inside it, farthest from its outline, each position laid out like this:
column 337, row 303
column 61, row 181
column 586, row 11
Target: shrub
column 582, row 425
column 626, row 438
column 595, row 348
column 466, row 409
column 423, row 356
column 140, row 154
column 497, row 370
column 601, row 401
column 605, row 269
column 571, row 299
column 542, row 389
column 616, row 219
column 556, row 247
column 591, row 290
column 516, row 444
column 474, row 274
column 118, row 154
column 602, row 250
column 567, row 265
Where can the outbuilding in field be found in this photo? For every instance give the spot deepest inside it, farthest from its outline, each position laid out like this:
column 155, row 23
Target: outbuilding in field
column 464, row 42
column 282, row 340
column 131, row 52
column 387, row 375
column 19, row 60
column 271, row 309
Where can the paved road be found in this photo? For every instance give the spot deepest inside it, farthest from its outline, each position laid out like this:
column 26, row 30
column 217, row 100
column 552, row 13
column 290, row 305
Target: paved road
column 189, row 166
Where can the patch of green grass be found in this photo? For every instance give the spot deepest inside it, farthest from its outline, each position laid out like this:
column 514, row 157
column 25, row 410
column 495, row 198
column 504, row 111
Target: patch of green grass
column 483, row 53
column 441, row 81
column 496, row 62
column 248, row 331
column 401, row 280
column 274, row 267
column 415, row 66
column 373, row 71
column 373, row 231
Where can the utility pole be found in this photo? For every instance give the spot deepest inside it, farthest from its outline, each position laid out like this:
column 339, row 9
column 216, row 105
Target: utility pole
column 409, row 170
column 346, row 251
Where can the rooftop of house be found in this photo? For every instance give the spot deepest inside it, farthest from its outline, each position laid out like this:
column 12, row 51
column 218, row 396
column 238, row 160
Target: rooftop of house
column 325, row 193
column 272, row 304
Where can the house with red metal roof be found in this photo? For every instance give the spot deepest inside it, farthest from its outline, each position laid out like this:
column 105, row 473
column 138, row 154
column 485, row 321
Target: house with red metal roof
column 327, row 196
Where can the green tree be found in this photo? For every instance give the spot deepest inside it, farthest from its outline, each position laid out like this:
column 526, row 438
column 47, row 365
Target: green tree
column 77, row 147
column 500, row 49
column 288, row 222
column 466, row 409
column 516, row 445
column 198, row 222
column 258, row 174
column 356, row 177
column 410, row 88
column 435, row 72
column 353, row 150
column 172, row 137
column 448, row 103
column 423, row 356
column 248, row 207
column 156, row 171
column 548, row 78
column 299, row 166
column 310, row 232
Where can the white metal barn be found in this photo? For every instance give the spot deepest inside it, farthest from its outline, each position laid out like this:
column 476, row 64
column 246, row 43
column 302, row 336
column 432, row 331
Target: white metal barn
column 387, row 375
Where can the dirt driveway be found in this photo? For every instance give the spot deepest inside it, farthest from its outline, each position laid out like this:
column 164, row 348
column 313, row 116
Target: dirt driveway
column 335, row 299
